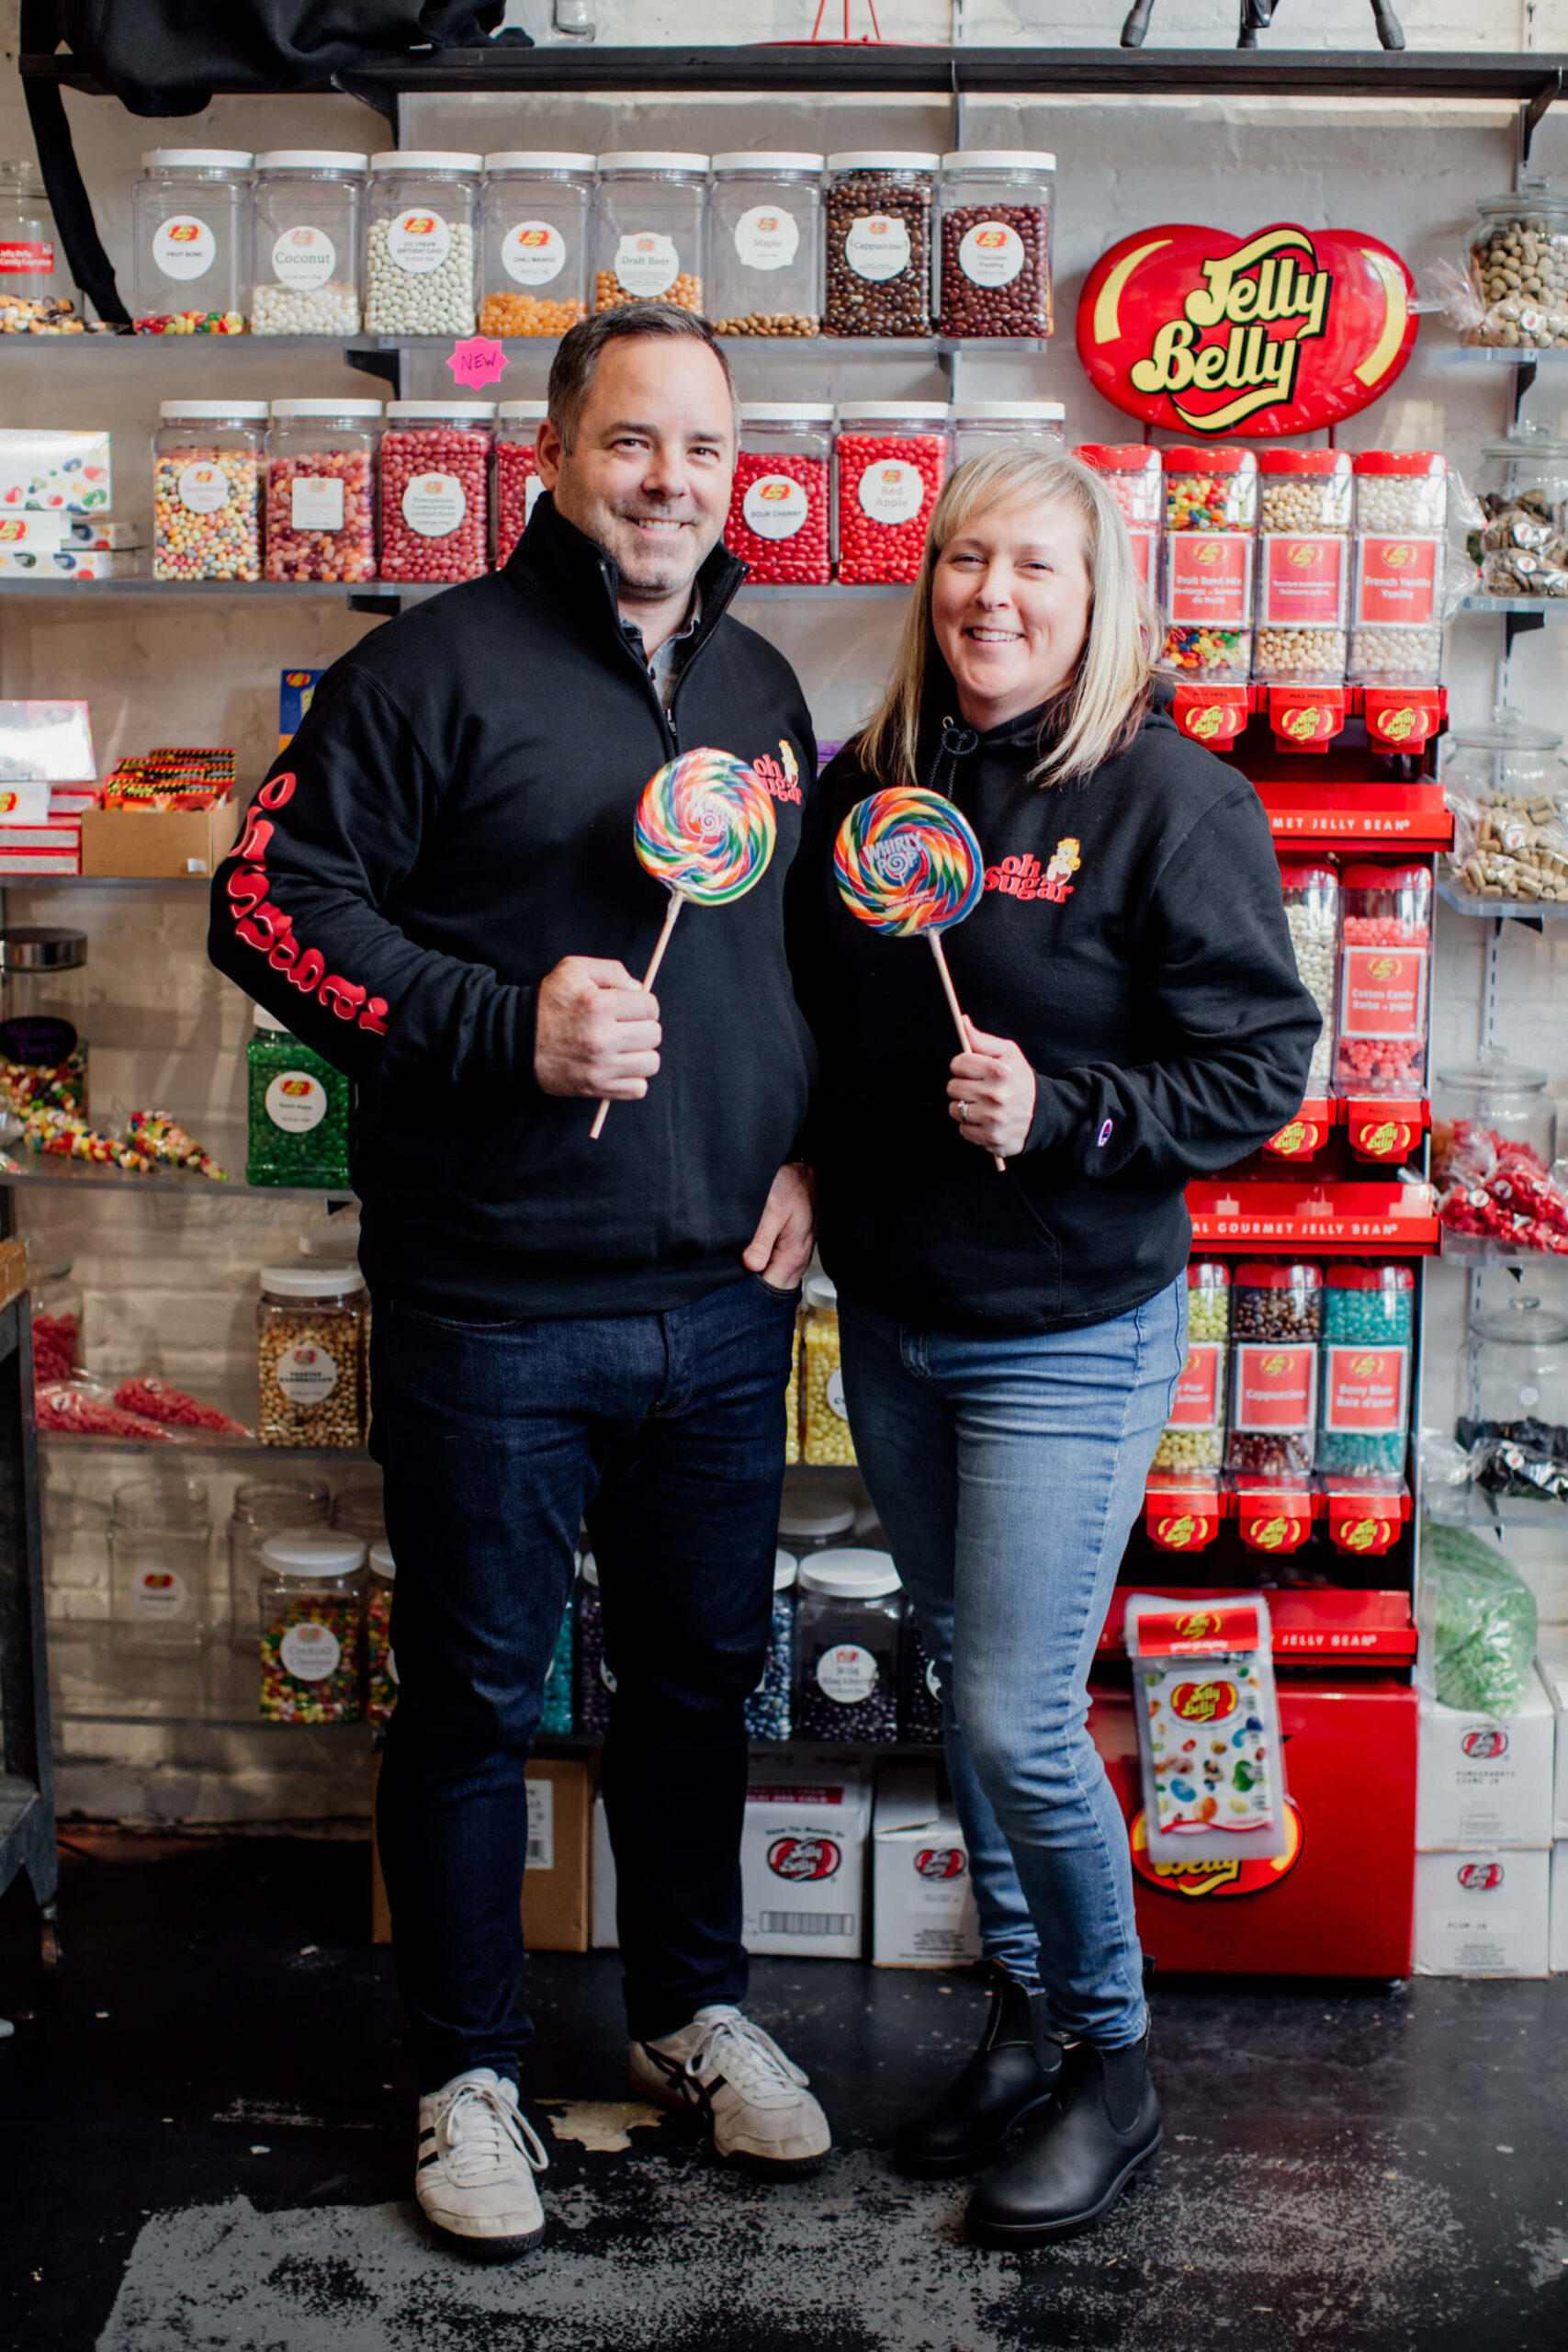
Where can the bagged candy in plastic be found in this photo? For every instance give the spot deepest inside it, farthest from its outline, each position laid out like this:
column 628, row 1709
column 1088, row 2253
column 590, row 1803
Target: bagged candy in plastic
column 1477, row 1622
column 1208, row 1728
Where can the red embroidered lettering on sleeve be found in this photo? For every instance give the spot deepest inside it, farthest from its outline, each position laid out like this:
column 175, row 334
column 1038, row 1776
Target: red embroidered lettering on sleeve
column 309, row 971
column 343, row 997
column 253, row 843
column 267, row 928
column 372, row 1017
column 263, row 926
column 246, row 888
column 279, row 792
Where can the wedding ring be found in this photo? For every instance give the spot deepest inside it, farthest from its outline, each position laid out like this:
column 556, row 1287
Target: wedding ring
column 963, row 1113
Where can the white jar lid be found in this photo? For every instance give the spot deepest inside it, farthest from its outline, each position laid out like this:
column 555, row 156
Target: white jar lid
column 382, row 1562
column 1001, row 159
column 522, row 411
column 784, row 1566
column 310, row 159
column 896, row 412
column 882, row 159
column 484, row 410
column 210, row 159
column 786, row 411
column 1031, row 411
column 310, row 1281
column 326, row 408
column 766, row 160
column 806, row 1518
column 651, row 159
column 198, row 411
column 425, row 159
column 262, row 1019
column 822, row 1290
column 301, row 1552
column 850, row 1574
column 523, row 159
column 588, row 1569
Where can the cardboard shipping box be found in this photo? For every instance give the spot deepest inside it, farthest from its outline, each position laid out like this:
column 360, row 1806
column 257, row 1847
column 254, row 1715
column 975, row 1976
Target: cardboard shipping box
column 923, row 1904
column 1552, row 1661
column 1485, row 1780
column 1483, row 1914
column 555, row 1886
column 157, row 842
column 1557, row 1932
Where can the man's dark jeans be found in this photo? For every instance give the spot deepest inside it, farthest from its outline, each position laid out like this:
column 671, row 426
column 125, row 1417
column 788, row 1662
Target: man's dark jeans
column 666, row 1432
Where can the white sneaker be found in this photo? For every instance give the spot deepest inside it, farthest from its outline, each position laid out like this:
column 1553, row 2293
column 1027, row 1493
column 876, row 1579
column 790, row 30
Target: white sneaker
column 476, row 2161
column 753, row 2098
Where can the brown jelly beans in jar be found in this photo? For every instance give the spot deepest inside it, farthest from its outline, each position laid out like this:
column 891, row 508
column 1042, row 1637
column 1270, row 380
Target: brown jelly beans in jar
column 996, row 242
column 435, row 490
column 879, row 243
column 766, row 243
column 1276, row 1321
column 320, row 490
column 1132, row 473
column 516, row 471
column 1385, row 945
column 778, row 509
column 891, row 462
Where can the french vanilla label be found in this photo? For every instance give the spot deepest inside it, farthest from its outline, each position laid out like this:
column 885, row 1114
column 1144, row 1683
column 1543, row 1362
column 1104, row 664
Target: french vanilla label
column 990, row 253
column 184, row 247
column 776, row 506
column 1209, row 582
column 846, row 1674
column 315, row 502
column 310, row 1651
column 418, row 241
column 434, row 505
column 296, row 1102
column 532, row 253
column 1397, row 581
column 1276, row 1387
column 203, row 488
column 891, row 493
column 648, row 263
column 158, row 1593
column 306, row 1374
column 304, row 259
column 767, row 237
column 877, row 246
column 19, row 257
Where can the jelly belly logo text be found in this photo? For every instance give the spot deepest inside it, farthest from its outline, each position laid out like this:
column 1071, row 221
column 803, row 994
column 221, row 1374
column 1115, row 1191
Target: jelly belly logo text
column 1022, row 877
column 419, row 224
column 1395, row 725
column 1281, row 331
column 804, row 1860
column 1230, row 1874
column 1480, row 1878
column 1203, row 1702
column 1178, row 1535
column 940, row 1863
column 780, row 776
column 1485, row 1744
column 1198, row 1625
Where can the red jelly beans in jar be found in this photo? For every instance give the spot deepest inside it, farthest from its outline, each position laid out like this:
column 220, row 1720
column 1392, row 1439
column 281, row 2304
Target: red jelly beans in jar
column 778, row 509
column 1385, row 939
column 320, row 490
column 516, row 484
column 892, row 461
column 434, row 490
column 1132, row 474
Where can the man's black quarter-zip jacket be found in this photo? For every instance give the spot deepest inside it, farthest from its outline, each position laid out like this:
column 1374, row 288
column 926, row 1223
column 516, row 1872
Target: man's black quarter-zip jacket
column 453, row 818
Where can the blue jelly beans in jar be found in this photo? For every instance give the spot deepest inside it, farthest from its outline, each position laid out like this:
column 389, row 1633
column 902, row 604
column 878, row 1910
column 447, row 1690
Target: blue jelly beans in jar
column 1369, row 1321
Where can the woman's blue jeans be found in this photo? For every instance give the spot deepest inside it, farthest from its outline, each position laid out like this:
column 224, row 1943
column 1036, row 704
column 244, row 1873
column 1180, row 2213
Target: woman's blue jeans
column 1007, row 1473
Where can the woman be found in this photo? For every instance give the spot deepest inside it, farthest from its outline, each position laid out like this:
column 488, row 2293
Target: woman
column 1012, row 1341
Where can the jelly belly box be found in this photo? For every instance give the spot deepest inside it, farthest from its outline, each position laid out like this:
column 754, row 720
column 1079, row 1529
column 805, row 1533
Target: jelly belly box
column 922, row 1902
column 47, row 472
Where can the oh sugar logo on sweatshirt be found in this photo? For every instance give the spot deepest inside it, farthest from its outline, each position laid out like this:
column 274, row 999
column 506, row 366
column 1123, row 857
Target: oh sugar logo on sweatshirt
column 1022, row 878
column 781, row 776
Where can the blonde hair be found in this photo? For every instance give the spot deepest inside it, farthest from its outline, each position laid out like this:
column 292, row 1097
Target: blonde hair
column 1100, row 707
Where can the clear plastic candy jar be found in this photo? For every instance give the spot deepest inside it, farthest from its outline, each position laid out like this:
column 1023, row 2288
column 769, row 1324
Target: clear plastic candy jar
column 919, row 1689
column 310, row 1602
column 825, row 1436
column 1498, row 1106
column 305, row 238
column 313, row 1324
column 1385, row 943
column 516, row 487
column 380, row 1662
column 1132, row 473
column 299, row 1105
column 362, row 1511
column 1211, row 507
column 650, row 232
column 1304, row 567
column 812, row 1520
column 767, row 243
column 1368, row 1322
column 320, row 490
column 44, row 1054
column 419, row 253
column 160, row 1537
column 767, row 1711
column 558, row 1701
column 1195, row 1437
column 533, row 219
column 878, row 215
column 57, row 1317
column 1396, row 610
column 1276, row 1319
column 1311, row 892
column 980, row 425
column 435, row 490
column 33, row 269
column 264, row 1507
column 994, row 274
column 189, row 226
column 207, row 490
column 1522, row 489
column 1513, row 1399
column 779, row 507
column 1518, row 267
column 890, row 461
column 847, row 1627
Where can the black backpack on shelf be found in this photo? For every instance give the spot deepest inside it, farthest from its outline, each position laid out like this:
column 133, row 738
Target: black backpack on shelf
column 168, row 57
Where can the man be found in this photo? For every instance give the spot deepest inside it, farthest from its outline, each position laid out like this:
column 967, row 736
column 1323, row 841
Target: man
column 437, row 889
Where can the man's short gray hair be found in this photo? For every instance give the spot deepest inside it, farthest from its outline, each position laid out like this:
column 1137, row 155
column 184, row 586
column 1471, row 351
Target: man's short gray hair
column 571, row 372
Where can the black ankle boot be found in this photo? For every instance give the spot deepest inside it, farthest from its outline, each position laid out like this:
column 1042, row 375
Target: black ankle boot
column 1012, row 2073
column 1070, row 2162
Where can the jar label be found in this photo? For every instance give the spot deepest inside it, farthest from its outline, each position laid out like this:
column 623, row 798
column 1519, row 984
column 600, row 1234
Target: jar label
column 533, row 253
column 434, row 505
column 19, row 256
column 990, row 253
column 303, row 259
column 607, row 1679
column 1529, row 1396
column 1382, row 992
column 648, row 264
column 310, row 1651
column 1211, row 577
column 1397, row 581
column 877, row 245
column 184, row 247
column 203, row 488
column 418, row 241
column 933, row 1681
column 834, row 1390
column 1304, row 583
column 306, row 1374
column 776, row 506
column 892, row 492
column 315, row 502
column 767, row 237
column 1197, row 1404
column 296, row 1102
column 1276, row 1387
column 1364, row 1387
column 38, row 1039
column 846, row 1674
column 158, row 1593
column 533, row 491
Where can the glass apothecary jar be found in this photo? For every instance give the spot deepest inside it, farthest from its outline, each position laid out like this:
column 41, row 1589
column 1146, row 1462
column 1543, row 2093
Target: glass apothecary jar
column 207, row 490
column 1509, row 764
column 313, row 1323
column 889, row 463
column 849, row 1620
column 812, row 1520
column 994, row 275
column 380, row 1661
column 32, row 259
column 1513, row 1397
column 57, row 1317
column 305, row 239
column 160, row 1537
column 264, row 1507
column 311, row 1600
column 982, row 425
column 435, row 490
column 1496, row 1107
column 299, row 1105
column 189, row 226
column 516, row 487
column 419, row 251
column 1311, row 892
column 1518, row 267
column 1386, row 940
column 43, row 1001
column 1396, row 608
column 878, row 238
column 534, row 241
column 1132, row 473
column 1522, row 489
column 650, row 233
column 825, row 1422
column 1276, row 1322
column 320, row 490
column 769, row 1710
column 1211, row 507
column 1195, row 1437
column 779, row 507
column 1303, row 566
column 767, row 243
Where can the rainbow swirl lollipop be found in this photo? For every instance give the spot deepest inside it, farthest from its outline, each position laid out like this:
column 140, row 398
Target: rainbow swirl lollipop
column 905, row 861
column 705, row 827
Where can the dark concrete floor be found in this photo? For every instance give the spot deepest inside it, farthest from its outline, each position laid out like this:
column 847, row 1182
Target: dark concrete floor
column 208, row 2144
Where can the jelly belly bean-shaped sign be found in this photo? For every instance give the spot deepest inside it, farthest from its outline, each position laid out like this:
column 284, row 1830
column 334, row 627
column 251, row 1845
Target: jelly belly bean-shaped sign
column 1286, row 331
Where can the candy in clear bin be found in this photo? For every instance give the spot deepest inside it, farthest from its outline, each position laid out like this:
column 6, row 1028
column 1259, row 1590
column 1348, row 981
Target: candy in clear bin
column 1208, row 1720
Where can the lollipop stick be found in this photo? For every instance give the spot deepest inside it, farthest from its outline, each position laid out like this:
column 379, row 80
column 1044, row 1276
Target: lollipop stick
column 676, row 903
column 965, row 1044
